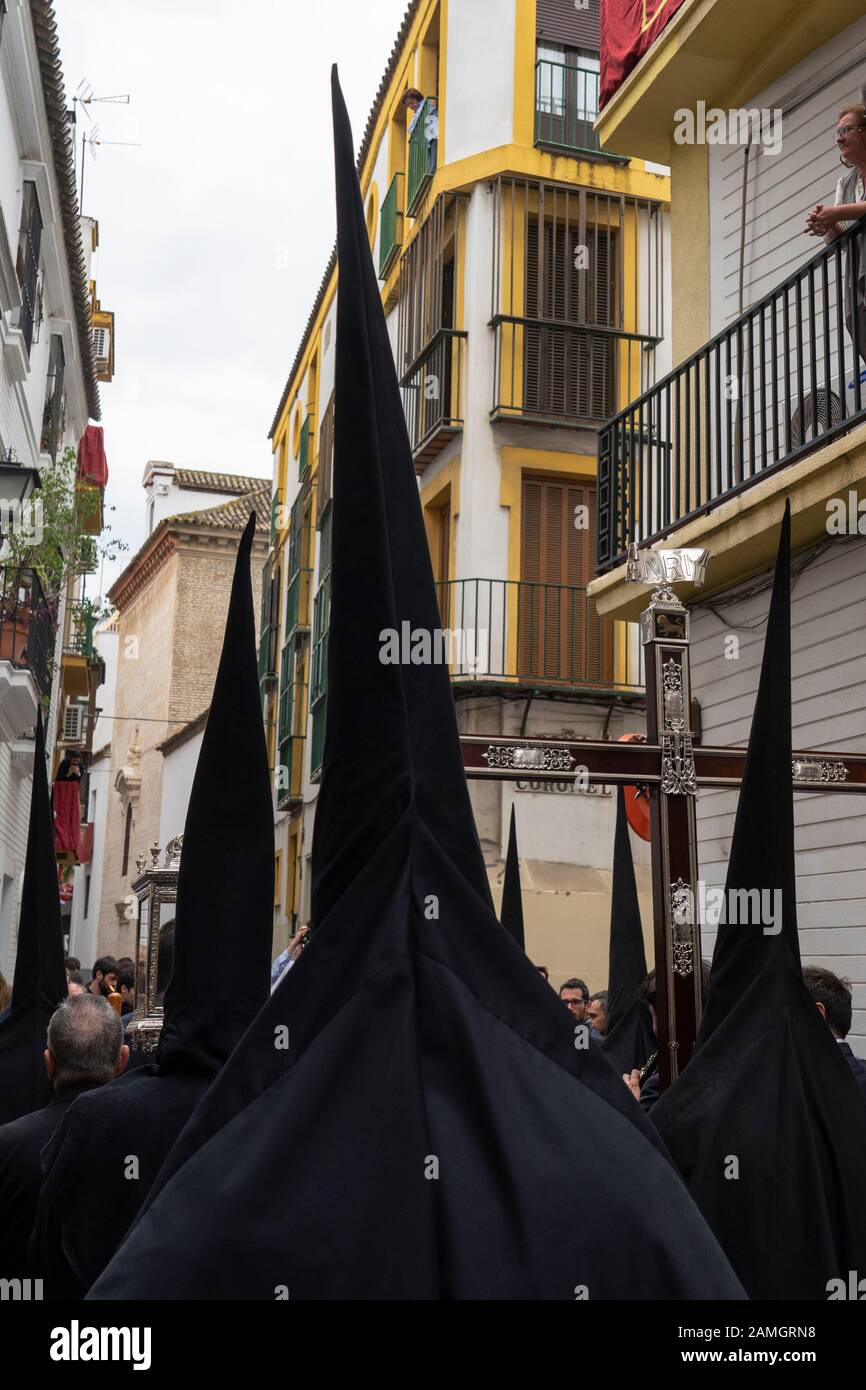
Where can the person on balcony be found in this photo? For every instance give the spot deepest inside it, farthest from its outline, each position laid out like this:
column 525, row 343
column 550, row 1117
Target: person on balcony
column 427, row 111
column 850, row 206
column 70, row 769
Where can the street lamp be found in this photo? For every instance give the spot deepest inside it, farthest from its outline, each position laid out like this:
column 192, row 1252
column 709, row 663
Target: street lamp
column 17, row 482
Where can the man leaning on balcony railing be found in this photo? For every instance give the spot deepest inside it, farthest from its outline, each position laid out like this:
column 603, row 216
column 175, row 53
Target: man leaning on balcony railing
column 429, row 111
column 850, row 206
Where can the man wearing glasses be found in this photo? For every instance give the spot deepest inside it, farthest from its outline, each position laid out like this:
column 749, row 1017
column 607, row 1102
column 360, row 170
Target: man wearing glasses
column 575, row 995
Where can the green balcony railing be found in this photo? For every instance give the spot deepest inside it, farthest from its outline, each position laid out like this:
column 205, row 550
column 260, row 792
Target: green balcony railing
column 566, row 105
column 391, row 231
column 304, row 459
column 423, row 153
column 298, row 602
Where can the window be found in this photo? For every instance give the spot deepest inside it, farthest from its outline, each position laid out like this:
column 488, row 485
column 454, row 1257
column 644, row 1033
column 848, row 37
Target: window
column 150, row 515
column 126, row 837
column 561, row 638
column 326, row 462
column 86, row 892
column 52, row 414
column 27, row 261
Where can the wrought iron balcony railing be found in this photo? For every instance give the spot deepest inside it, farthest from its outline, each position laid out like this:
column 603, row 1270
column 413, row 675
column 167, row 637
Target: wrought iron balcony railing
column 784, row 378
column 556, row 372
column 391, row 231
column 522, row 632
column 566, row 105
column 423, row 154
column 432, row 392
column 304, row 455
column 27, row 625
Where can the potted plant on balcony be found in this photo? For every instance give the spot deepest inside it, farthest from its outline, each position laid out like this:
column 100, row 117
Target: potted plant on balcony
column 55, row 548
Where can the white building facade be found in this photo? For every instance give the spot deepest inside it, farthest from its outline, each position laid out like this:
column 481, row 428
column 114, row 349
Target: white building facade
column 48, row 392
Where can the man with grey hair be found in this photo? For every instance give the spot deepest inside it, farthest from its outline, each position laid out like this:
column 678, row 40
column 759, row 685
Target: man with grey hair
column 85, row 1050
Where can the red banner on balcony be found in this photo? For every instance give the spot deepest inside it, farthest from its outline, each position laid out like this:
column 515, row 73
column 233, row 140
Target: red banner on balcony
column 92, row 463
column 628, row 29
column 67, row 817
column 85, row 844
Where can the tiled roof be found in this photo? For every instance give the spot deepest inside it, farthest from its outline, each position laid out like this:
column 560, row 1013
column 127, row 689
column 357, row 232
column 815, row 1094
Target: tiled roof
column 47, row 47
column 198, row 480
column 393, row 61
column 232, row 515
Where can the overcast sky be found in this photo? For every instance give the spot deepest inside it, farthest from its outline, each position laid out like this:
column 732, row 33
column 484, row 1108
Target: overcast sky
column 230, row 103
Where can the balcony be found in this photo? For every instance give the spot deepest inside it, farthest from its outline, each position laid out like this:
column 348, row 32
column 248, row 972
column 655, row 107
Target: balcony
column 423, row 154
column 432, row 391
column 782, row 380
column 566, row 105
column 304, row 453
column 27, row 630
column 549, row 372
column 298, row 603
column 391, row 233
column 545, row 636
column 291, row 728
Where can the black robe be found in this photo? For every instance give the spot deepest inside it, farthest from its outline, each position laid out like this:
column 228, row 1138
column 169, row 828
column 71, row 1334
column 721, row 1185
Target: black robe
column 766, row 1122
column 427, row 1129
column 21, row 1145
column 220, row 980
column 511, row 913
column 630, row 1040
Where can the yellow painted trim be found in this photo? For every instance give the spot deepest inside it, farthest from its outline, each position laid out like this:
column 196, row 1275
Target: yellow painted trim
column 431, row 495
column 525, row 36
column 278, row 873
column 513, row 463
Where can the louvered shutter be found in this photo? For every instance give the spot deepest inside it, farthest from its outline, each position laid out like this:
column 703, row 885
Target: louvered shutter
column 560, row 21
column 561, row 638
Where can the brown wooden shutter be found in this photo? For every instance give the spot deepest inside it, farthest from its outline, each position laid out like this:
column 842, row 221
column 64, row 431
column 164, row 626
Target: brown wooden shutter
column 559, row 22
column 561, row 638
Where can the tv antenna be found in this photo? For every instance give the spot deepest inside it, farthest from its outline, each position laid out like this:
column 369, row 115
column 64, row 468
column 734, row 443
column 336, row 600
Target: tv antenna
column 83, row 98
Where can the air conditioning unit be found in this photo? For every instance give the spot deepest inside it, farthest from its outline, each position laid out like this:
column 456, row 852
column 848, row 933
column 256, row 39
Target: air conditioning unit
column 830, row 410
column 100, row 344
column 74, row 723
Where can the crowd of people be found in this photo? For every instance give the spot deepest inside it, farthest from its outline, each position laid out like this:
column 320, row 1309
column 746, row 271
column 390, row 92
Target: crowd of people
column 86, row 1050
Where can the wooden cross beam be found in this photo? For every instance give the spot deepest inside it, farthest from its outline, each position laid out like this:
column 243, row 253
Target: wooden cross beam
column 671, row 769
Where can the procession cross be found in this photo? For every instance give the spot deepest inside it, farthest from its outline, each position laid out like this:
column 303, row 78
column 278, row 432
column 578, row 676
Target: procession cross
column 671, row 768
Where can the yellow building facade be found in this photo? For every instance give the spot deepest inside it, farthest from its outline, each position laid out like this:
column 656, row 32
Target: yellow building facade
column 524, row 274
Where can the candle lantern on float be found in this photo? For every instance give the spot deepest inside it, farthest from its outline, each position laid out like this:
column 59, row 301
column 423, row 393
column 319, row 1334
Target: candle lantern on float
column 156, row 891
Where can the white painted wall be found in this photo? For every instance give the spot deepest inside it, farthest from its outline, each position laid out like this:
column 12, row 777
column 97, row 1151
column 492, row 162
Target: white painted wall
column 829, row 712
column 177, row 778
column 781, row 188
column 479, row 105
column 84, row 930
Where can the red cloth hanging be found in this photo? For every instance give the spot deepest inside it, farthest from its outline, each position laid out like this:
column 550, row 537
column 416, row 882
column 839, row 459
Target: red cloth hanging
column 92, row 463
column 67, row 816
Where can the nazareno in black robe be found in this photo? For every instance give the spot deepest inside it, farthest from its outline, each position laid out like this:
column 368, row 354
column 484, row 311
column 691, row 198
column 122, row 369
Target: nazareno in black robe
column 630, row 1040
column 431, row 1131
column 511, row 912
column 39, row 983
column 221, row 978
column 766, row 1122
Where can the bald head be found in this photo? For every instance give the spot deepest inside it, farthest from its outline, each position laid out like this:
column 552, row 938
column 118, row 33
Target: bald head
column 85, row 1043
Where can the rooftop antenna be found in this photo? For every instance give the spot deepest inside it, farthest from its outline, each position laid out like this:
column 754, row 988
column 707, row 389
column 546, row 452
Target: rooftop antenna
column 84, row 98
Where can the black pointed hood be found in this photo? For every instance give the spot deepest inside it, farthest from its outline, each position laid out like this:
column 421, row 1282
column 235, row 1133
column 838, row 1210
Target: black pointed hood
column 511, row 915
column 39, row 984
column 630, row 1040
column 431, row 1099
column 224, row 918
column 768, row 1086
